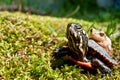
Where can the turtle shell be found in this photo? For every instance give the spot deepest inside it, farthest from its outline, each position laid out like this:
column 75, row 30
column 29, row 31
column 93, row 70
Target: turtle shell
column 96, row 51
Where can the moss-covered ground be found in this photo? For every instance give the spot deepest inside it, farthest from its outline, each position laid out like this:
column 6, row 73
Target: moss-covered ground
column 26, row 46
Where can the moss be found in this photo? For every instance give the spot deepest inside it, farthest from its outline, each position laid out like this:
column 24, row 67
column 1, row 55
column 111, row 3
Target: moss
column 26, row 45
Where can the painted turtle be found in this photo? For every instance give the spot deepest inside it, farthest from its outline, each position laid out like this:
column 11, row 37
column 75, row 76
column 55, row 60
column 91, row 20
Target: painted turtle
column 86, row 52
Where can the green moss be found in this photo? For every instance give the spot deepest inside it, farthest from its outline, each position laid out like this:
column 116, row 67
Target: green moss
column 26, row 45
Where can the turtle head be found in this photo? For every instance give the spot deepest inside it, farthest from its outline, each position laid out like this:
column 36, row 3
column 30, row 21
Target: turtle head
column 77, row 39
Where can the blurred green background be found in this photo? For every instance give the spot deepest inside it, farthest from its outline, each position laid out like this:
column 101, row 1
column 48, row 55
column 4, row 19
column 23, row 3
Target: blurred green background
column 92, row 10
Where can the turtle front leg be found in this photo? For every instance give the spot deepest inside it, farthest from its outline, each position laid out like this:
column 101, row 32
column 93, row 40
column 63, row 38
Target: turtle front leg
column 84, row 64
column 64, row 50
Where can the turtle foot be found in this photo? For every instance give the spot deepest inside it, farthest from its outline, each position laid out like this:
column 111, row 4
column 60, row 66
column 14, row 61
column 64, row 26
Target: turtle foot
column 101, row 66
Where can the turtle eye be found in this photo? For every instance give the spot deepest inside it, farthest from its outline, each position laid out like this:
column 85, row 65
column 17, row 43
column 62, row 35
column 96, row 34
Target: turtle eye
column 78, row 26
column 101, row 34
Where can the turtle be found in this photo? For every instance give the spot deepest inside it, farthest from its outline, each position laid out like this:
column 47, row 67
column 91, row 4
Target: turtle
column 84, row 51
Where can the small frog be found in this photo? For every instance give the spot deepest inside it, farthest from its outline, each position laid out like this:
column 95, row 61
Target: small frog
column 102, row 39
